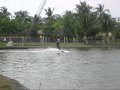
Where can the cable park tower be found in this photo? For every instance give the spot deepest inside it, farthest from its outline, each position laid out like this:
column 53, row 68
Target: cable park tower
column 41, row 6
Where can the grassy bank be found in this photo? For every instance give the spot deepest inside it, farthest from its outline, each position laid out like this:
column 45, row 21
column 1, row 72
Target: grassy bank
column 54, row 44
column 4, row 83
column 49, row 44
column 3, row 44
column 10, row 84
column 46, row 44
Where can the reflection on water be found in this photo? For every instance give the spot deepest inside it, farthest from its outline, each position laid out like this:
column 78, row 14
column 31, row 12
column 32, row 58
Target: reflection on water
column 86, row 69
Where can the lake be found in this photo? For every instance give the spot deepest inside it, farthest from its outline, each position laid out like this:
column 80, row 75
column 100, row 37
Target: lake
column 75, row 68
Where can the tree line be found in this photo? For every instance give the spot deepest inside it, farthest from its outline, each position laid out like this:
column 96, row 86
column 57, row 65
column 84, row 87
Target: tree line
column 85, row 22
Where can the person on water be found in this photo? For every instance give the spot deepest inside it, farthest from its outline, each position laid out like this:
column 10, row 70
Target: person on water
column 58, row 43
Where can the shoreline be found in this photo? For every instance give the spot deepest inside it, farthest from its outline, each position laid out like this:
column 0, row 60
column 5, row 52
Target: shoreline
column 10, row 84
column 85, row 46
column 53, row 45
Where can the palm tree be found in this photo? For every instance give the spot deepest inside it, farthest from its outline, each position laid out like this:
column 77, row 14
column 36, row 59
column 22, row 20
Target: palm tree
column 86, row 20
column 5, row 12
column 106, row 23
column 49, row 28
column 37, row 19
column 23, row 20
column 6, row 27
column 21, row 14
column 49, row 12
column 101, row 10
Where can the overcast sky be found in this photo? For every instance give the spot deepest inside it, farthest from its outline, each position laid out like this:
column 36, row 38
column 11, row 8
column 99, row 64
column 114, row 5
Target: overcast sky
column 60, row 5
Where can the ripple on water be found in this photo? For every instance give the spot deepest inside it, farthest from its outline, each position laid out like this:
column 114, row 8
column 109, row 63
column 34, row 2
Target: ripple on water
column 73, row 69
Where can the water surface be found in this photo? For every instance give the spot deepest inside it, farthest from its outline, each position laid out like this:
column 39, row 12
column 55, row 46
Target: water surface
column 44, row 68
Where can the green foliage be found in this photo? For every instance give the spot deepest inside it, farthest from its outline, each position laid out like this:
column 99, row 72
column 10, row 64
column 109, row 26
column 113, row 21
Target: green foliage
column 116, row 32
column 49, row 12
column 69, row 29
column 85, row 21
column 87, row 24
column 58, row 23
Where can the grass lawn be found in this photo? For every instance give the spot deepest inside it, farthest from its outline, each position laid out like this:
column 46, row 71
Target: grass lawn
column 46, row 44
column 3, row 44
column 53, row 44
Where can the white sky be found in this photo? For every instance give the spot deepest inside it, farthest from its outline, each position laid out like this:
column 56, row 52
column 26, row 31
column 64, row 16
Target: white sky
column 60, row 5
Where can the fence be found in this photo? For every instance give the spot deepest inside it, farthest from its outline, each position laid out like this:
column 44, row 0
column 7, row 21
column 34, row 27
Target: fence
column 36, row 39
column 22, row 39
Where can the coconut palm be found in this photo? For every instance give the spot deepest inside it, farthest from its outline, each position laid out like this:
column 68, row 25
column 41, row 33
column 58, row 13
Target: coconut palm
column 86, row 20
column 101, row 10
column 49, row 28
column 49, row 12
